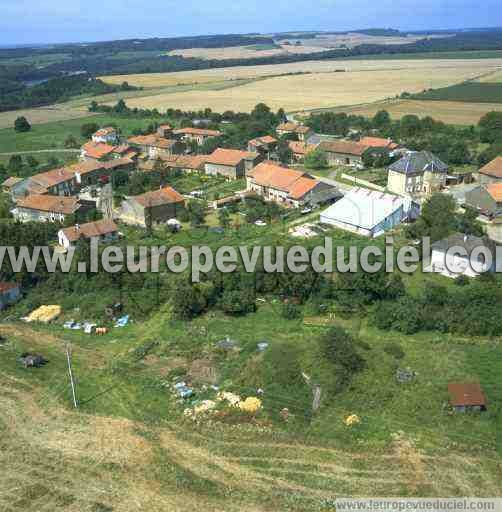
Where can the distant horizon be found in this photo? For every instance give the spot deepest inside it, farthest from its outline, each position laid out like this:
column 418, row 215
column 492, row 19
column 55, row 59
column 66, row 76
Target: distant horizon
column 34, row 23
column 8, row 46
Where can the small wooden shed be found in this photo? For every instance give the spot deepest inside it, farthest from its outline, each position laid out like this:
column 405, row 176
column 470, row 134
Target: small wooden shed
column 466, row 397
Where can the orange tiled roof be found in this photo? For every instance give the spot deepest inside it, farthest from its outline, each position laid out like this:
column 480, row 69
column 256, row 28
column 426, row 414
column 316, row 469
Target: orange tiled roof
column 301, row 186
column 268, row 174
column 287, row 127
column 97, row 150
column 53, row 177
column 11, row 181
column 466, row 394
column 493, row 168
column 229, row 157
column 259, row 141
column 56, row 204
column 346, row 147
column 495, row 190
column 90, row 230
column 105, row 131
column 301, row 148
column 197, row 131
column 378, row 142
column 159, row 197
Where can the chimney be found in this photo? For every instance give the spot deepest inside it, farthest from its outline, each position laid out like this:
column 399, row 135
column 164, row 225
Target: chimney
column 77, row 227
column 465, row 238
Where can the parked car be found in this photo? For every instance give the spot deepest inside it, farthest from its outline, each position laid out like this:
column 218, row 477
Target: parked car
column 260, row 223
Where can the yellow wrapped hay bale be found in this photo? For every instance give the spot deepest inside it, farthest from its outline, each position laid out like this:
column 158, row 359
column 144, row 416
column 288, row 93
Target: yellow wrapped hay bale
column 250, row 405
column 44, row 314
column 353, row 419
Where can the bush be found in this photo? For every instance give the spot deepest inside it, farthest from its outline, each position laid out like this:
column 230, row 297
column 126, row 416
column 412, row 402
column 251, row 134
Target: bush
column 394, row 350
column 238, row 302
column 21, row 124
column 290, row 311
column 461, row 280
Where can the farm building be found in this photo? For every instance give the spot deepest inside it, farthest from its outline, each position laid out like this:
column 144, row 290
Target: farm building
column 290, row 128
column 155, row 207
column 263, row 145
column 165, row 131
column 186, row 163
column 9, row 183
column 57, row 182
column 199, row 135
column 231, row 163
column 466, row 397
column 486, row 199
column 461, row 254
column 491, row 172
column 343, row 152
column 288, row 187
column 368, row 212
column 104, row 230
column 9, row 294
column 417, row 173
column 379, row 143
column 107, row 135
column 300, row 149
column 154, row 146
column 44, row 208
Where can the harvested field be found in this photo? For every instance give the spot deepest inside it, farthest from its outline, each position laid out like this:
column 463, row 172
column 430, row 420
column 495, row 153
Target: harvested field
column 315, row 90
column 453, row 112
column 478, row 67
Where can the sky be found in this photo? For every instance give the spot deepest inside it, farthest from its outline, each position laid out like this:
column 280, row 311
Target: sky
column 58, row 21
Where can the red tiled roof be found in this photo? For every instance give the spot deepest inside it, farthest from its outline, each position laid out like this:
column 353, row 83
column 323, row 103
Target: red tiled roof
column 165, row 195
column 90, row 230
column 301, row 186
column 104, row 131
column 495, row 190
column 195, row 162
column 378, row 142
column 56, row 204
column 197, row 131
column 301, row 148
column 268, row 174
column 346, row 147
column 493, row 168
column 6, row 287
column 466, row 394
column 97, row 150
column 230, row 157
column 152, row 140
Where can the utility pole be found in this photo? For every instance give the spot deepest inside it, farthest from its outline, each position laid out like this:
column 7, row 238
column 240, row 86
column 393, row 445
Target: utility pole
column 70, row 373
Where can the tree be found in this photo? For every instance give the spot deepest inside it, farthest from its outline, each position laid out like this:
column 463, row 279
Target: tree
column 32, row 161
column 316, row 160
column 87, row 130
column 339, row 348
column 238, row 302
column 284, row 152
column 71, row 142
column 224, row 218
column 381, row 119
column 21, row 124
column 196, row 212
column 437, row 219
column 15, row 165
column 410, row 125
column 491, row 127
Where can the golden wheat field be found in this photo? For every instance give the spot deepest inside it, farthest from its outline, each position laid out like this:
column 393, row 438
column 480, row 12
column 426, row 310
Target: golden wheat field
column 452, row 112
column 362, row 82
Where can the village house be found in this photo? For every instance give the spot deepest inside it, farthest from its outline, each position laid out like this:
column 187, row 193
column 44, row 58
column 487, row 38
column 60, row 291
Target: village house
column 417, row 173
column 289, row 128
column 486, row 199
column 106, row 135
column 104, row 230
column 165, row 131
column 154, row 146
column 150, row 208
column 288, row 187
column 97, row 151
column 466, row 397
column 45, row 208
column 231, row 163
column 369, row 212
column 300, row 150
column 10, row 293
column 199, row 135
column 264, row 145
column 343, row 152
column 186, row 163
column 461, row 254
column 9, row 183
column 56, row 182
column 379, row 143
column 491, row 172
